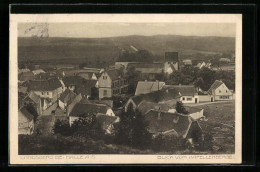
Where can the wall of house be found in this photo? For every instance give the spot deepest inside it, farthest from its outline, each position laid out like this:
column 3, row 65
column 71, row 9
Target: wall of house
column 108, row 92
column 61, row 105
column 104, row 81
column 204, row 98
column 223, row 93
column 167, row 68
column 189, row 99
column 72, row 119
column 110, row 112
column 128, row 102
column 44, row 94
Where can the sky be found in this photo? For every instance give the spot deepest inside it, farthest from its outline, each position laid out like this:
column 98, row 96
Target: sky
column 100, row 30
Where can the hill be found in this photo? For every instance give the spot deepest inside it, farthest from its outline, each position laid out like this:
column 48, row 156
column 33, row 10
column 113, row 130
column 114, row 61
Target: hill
column 88, row 50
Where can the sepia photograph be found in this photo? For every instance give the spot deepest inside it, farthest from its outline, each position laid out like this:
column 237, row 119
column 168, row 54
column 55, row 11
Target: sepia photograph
column 125, row 88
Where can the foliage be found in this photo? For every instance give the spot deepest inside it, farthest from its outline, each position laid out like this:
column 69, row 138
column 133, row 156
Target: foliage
column 138, row 56
column 180, row 108
column 132, row 129
column 62, row 127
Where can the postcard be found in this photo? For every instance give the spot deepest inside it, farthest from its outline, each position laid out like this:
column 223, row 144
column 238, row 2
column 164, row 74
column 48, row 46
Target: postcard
column 125, row 89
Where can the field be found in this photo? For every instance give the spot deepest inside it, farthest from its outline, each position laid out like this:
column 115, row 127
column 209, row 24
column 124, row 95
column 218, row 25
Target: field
column 107, row 50
column 220, row 124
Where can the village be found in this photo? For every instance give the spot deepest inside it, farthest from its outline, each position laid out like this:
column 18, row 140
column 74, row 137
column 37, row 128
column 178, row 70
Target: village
column 161, row 95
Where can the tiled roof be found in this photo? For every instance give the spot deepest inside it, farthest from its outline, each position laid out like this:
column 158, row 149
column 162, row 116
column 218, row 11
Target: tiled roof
column 144, row 87
column 184, row 90
column 34, row 97
column 171, row 56
column 215, row 85
column 106, row 120
column 44, row 85
column 168, row 121
column 73, row 80
column 85, row 109
column 86, row 87
column 157, row 96
column 27, row 114
column 25, row 76
column 113, row 74
column 67, row 96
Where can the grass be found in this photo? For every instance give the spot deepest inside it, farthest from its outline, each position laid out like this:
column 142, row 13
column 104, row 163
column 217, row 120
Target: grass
column 220, row 124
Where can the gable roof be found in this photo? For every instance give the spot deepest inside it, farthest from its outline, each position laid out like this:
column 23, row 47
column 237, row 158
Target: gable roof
column 73, row 80
column 171, row 56
column 184, row 90
column 44, row 85
column 27, row 114
column 215, row 85
column 106, row 120
column 25, row 76
column 168, row 121
column 114, row 74
column 144, row 87
column 33, row 97
column 67, row 96
column 150, row 70
column 85, row 109
column 156, row 96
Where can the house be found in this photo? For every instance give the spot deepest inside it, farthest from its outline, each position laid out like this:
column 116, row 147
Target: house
column 23, row 70
column 26, row 76
column 111, row 82
column 188, row 93
column 79, row 85
column 107, row 122
column 172, row 123
column 83, row 110
column 187, row 62
column 220, row 91
column 38, row 71
column 36, row 101
column 144, row 87
column 171, row 62
column 150, row 71
column 88, row 75
column 25, row 122
column 48, row 89
column 155, row 97
column 66, row 98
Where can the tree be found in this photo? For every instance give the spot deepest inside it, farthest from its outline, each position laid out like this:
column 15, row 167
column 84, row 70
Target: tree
column 132, row 129
column 180, row 108
column 199, row 83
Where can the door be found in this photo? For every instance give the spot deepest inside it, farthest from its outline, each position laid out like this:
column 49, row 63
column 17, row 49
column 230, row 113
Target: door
column 211, row 99
column 196, row 100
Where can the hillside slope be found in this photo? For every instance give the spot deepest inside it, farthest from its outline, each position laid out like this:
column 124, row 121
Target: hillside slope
column 108, row 49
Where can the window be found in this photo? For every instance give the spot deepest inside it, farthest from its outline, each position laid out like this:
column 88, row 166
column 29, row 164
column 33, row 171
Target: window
column 183, row 98
column 226, row 91
column 189, row 99
column 105, row 77
column 42, row 93
column 219, row 91
column 105, row 92
column 47, row 93
column 224, row 97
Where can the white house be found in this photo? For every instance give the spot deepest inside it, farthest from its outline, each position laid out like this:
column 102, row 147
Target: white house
column 220, row 91
column 187, row 93
column 48, row 89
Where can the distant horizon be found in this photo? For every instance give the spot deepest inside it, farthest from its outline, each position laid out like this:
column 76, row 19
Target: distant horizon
column 106, row 30
column 124, row 36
